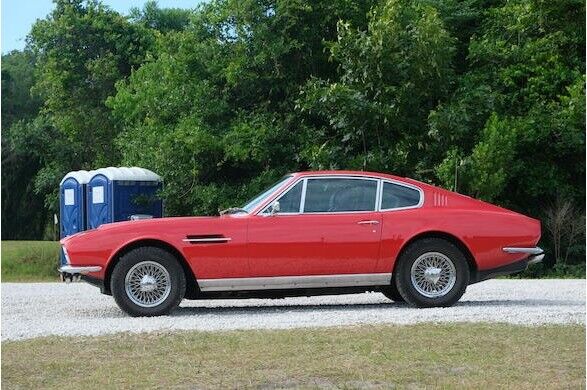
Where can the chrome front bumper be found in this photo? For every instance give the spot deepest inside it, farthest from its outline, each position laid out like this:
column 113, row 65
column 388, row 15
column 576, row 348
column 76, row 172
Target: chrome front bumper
column 536, row 253
column 71, row 273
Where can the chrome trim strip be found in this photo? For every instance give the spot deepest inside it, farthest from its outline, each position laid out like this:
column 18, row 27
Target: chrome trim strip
column 378, row 195
column 204, row 240
column 70, row 269
column 532, row 251
column 303, row 200
column 287, row 282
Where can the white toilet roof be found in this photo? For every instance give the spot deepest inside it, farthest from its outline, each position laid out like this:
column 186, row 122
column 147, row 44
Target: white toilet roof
column 124, row 173
column 82, row 177
column 114, row 173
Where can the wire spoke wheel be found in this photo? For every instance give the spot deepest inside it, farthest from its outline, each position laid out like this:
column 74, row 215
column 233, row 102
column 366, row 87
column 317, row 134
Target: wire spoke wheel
column 433, row 274
column 147, row 284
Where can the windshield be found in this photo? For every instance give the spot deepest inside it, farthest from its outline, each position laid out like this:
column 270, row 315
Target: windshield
column 251, row 204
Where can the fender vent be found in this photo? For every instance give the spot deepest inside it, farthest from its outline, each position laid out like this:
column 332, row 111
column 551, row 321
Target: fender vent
column 206, row 239
column 440, row 200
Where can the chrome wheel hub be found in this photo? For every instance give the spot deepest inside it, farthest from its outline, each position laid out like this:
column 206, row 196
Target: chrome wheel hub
column 147, row 284
column 433, row 274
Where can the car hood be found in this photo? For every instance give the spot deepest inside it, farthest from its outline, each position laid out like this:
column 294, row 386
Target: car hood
column 156, row 223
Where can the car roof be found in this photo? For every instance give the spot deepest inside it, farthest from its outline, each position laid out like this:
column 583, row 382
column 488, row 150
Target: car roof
column 356, row 173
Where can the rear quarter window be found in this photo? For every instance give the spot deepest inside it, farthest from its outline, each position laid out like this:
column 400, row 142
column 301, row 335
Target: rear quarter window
column 396, row 196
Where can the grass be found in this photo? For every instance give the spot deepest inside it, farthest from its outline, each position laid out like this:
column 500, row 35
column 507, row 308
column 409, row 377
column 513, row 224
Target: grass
column 30, row 261
column 424, row 355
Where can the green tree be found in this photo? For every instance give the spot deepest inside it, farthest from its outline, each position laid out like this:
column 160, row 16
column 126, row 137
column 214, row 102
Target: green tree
column 23, row 212
column 82, row 49
column 213, row 112
column 392, row 74
column 517, row 119
column 160, row 19
column 515, row 126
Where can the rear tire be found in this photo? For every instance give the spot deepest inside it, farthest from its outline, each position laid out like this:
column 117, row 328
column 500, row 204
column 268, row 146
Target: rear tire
column 148, row 281
column 432, row 272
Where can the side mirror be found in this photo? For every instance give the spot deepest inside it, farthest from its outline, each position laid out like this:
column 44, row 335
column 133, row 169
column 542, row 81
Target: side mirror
column 274, row 208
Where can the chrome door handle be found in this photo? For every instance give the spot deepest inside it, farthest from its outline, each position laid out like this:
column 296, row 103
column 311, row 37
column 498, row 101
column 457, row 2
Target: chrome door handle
column 371, row 222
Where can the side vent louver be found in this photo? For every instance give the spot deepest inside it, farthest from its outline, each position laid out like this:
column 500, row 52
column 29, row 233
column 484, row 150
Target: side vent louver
column 206, row 239
column 440, row 200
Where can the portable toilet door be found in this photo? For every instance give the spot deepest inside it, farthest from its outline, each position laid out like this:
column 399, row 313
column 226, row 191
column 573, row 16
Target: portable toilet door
column 72, row 205
column 115, row 194
column 99, row 200
column 136, row 194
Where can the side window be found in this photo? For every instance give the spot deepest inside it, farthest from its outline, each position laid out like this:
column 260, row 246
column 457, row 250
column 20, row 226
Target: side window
column 290, row 201
column 395, row 196
column 336, row 195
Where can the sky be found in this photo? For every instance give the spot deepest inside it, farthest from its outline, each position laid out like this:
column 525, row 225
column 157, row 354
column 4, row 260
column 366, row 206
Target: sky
column 18, row 16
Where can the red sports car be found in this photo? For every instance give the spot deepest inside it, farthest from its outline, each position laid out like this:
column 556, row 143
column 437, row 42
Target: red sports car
column 311, row 233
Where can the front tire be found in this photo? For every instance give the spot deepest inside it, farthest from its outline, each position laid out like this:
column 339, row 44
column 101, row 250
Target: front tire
column 432, row 272
column 391, row 292
column 148, row 281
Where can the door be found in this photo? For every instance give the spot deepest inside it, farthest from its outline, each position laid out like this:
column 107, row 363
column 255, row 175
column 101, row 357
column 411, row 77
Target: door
column 99, row 201
column 325, row 226
column 215, row 248
column 71, row 208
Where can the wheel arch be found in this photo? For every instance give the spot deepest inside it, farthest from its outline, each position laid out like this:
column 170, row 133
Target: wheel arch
column 191, row 282
column 445, row 236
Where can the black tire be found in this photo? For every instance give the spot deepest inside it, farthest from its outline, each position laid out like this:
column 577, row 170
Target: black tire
column 392, row 293
column 161, row 260
column 427, row 247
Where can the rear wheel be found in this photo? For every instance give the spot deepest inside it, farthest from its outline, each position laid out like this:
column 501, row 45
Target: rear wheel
column 432, row 272
column 148, row 281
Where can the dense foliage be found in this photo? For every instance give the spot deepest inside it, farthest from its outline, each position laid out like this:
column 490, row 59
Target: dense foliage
column 487, row 97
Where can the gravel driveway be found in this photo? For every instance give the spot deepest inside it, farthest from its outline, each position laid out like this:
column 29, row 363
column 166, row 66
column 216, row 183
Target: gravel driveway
column 40, row 309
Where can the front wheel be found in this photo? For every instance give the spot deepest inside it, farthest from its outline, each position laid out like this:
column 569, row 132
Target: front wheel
column 392, row 293
column 147, row 282
column 432, row 272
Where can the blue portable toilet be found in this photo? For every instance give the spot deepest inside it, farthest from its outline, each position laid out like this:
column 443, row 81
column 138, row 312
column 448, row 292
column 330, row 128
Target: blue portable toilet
column 72, row 202
column 121, row 194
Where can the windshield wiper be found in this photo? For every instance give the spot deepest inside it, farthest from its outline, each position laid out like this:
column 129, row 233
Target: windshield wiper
column 232, row 210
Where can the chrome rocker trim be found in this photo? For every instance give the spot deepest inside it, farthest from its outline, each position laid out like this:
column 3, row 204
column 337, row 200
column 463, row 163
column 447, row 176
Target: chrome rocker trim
column 293, row 282
column 536, row 253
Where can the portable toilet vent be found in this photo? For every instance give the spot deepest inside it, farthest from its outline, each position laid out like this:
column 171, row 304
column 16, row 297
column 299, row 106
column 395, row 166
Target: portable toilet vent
column 122, row 194
column 72, row 202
